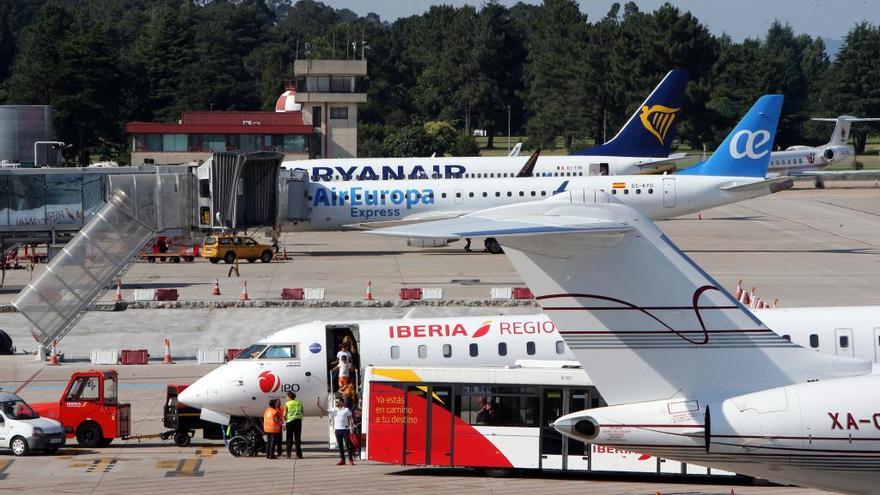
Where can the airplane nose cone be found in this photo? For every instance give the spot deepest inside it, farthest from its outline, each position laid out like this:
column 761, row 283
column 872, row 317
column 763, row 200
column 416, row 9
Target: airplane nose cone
column 191, row 396
column 579, row 426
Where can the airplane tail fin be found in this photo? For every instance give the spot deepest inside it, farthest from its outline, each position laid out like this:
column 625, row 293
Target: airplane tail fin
column 650, row 130
column 746, row 150
column 841, row 127
column 644, row 320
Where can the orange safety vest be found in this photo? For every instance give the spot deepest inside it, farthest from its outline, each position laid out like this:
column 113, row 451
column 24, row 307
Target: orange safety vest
column 271, row 420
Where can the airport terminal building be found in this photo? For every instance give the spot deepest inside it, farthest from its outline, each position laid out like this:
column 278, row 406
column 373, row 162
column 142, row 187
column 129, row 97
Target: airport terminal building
column 316, row 117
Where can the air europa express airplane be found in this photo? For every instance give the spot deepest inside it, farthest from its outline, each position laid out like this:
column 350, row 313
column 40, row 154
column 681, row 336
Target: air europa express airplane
column 735, row 172
column 643, row 143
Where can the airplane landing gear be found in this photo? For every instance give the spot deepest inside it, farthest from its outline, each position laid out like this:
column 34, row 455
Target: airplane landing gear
column 493, row 246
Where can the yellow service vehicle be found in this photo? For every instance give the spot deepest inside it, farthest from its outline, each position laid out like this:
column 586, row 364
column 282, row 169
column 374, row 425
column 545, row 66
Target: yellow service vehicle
column 231, row 247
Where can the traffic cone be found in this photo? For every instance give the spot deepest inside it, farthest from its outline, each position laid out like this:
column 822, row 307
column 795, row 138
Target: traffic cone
column 167, row 358
column 118, row 289
column 739, row 290
column 699, row 215
column 53, row 358
column 776, row 303
column 244, row 294
column 369, row 296
column 745, row 300
column 753, row 298
column 760, row 304
column 216, row 287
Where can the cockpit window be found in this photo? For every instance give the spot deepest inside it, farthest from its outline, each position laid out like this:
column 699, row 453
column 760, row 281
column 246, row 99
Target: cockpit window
column 287, row 351
column 252, row 352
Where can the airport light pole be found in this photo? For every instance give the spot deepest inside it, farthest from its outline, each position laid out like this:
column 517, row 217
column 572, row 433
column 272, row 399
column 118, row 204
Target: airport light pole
column 508, row 128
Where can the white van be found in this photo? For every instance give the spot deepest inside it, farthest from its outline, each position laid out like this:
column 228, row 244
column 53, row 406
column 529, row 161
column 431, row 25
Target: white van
column 23, row 430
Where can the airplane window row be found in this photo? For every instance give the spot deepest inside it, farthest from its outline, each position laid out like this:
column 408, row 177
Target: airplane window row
column 626, row 191
column 499, row 175
column 474, row 350
column 791, row 161
column 842, row 341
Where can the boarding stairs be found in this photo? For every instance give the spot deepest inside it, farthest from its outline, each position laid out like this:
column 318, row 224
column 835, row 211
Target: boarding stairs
column 140, row 207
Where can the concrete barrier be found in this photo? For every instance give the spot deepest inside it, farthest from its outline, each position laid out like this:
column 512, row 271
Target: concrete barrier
column 432, row 293
column 105, row 356
column 212, row 356
column 501, row 292
column 142, row 295
column 313, row 293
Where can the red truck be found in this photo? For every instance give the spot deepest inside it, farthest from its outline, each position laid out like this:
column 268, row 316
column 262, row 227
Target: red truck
column 89, row 409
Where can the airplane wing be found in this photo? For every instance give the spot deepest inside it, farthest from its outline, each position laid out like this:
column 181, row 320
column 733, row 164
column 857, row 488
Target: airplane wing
column 529, row 167
column 842, row 174
column 669, row 159
column 775, row 184
column 563, row 213
column 516, row 149
column 421, row 217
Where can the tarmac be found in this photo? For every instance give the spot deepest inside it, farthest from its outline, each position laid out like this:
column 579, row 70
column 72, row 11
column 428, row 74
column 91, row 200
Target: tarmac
column 805, row 246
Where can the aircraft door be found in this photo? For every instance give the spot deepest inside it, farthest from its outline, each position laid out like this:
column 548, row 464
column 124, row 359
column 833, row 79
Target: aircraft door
column 876, row 344
column 440, row 427
column 669, row 192
column 335, row 335
column 843, row 342
column 416, row 417
column 298, row 195
column 552, row 407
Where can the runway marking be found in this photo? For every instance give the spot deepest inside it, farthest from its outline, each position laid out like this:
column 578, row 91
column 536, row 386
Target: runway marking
column 4, row 465
column 102, row 465
column 206, row 453
column 186, row 468
column 28, row 381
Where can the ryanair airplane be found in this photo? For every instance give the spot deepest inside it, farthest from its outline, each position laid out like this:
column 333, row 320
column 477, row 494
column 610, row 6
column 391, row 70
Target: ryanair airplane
column 641, row 145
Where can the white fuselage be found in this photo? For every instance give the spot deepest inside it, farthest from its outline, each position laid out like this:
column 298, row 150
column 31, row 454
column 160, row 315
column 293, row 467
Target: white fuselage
column 798, row 159
column 469, row 167
column 235, row 388
column 337, row 206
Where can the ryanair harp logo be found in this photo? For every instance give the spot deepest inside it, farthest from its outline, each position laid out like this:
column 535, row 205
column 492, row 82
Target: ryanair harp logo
column 657, row 120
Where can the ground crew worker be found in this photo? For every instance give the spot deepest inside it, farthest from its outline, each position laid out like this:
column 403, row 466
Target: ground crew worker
column 272, row 428
column 293, row 420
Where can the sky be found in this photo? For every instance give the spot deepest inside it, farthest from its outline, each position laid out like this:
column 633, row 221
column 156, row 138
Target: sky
column 740, row 19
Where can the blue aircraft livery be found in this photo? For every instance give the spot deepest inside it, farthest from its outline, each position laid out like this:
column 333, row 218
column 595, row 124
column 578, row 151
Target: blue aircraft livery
column 650, row 130
column 362, row 200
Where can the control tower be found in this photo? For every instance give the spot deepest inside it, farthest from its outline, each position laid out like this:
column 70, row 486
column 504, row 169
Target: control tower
column 329, row 91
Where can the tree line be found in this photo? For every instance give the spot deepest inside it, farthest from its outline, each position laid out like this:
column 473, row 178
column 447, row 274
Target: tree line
column 560, row 78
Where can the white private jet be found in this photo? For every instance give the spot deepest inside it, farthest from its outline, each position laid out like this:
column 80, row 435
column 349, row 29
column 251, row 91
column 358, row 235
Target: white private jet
column 642, row 144
column 796, row 160
column 688, row 372
column 735, row 172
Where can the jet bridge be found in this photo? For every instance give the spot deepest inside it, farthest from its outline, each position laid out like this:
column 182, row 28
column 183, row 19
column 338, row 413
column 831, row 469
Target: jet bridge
column 240, row 190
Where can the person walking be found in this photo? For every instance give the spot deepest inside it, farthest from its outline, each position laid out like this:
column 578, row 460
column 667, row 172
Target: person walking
column 342, row 426
column 272, row 428
column 293, row 422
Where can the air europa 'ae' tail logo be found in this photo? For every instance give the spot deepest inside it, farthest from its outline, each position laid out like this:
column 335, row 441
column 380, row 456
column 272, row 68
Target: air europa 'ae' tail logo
column 657, row 120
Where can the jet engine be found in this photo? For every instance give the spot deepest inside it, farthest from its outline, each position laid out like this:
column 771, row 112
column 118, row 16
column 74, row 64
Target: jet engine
column 427, row 242
column 828, row 154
